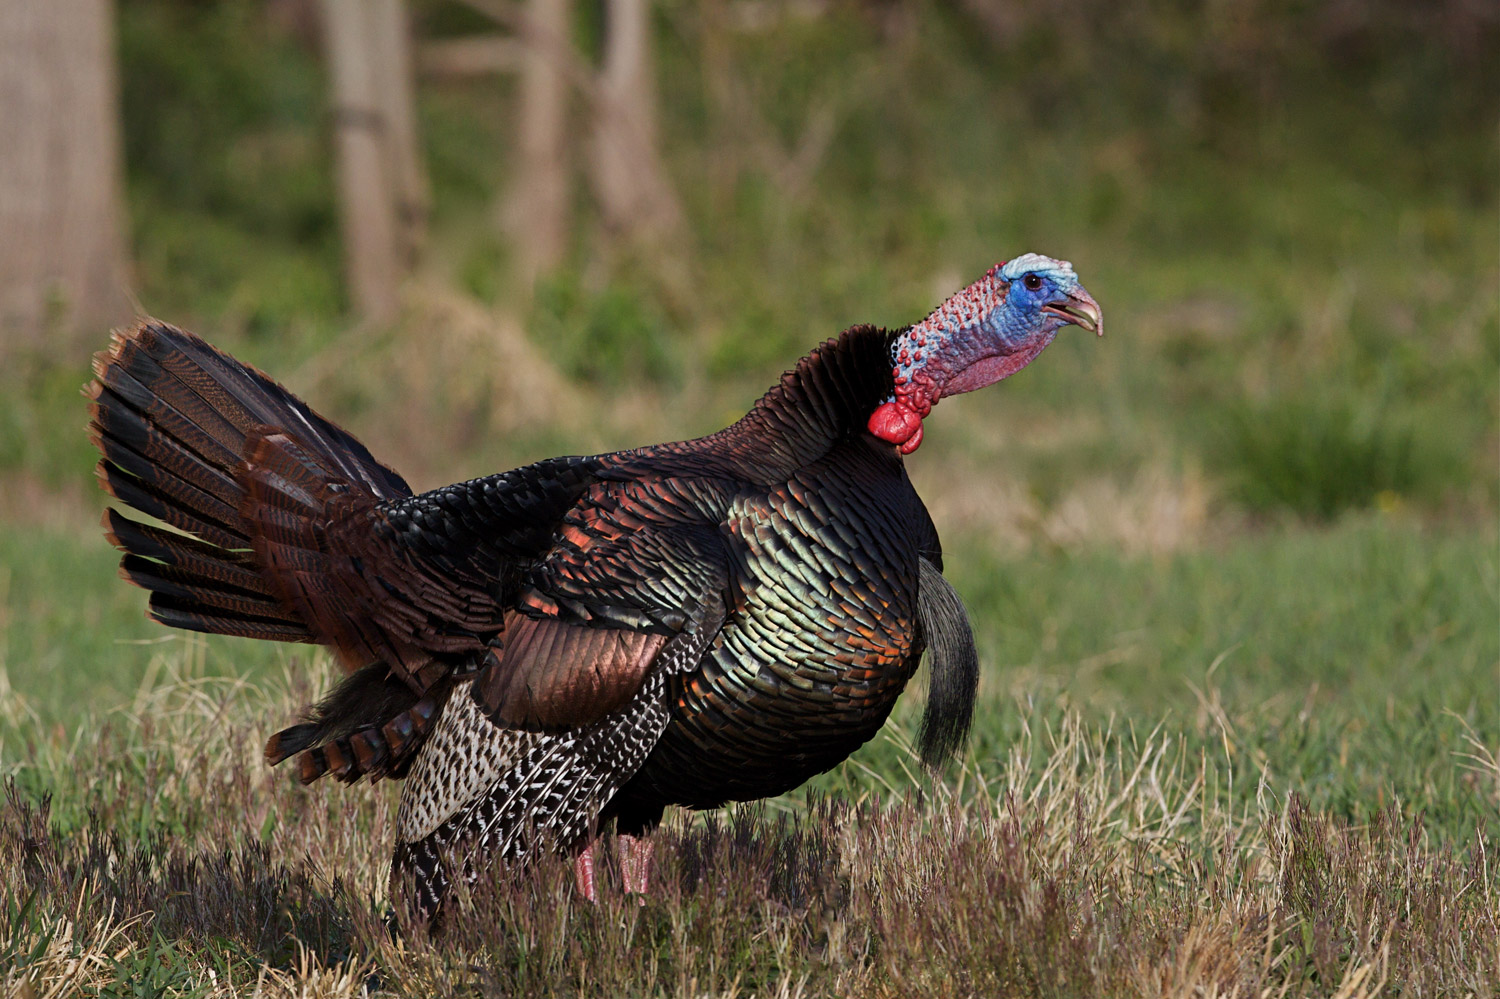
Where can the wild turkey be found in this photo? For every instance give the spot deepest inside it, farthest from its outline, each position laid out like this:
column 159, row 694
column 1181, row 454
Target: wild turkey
column 586, row 639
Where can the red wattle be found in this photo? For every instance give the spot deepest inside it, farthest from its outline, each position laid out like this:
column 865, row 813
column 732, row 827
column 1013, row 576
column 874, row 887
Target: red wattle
column 897, row 423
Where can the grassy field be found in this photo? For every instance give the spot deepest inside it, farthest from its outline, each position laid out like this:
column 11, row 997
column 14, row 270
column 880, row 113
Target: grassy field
column 1351, row 664
column 1265, row 765
column 1071, row 858
column 1234, row 569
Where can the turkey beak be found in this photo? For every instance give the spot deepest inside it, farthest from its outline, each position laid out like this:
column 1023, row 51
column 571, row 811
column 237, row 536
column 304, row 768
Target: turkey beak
column 1079, row 309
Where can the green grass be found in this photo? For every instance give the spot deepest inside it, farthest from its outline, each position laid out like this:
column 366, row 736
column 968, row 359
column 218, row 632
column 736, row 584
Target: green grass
column 1077, row 862
column 1350, row 664
column 75, row 641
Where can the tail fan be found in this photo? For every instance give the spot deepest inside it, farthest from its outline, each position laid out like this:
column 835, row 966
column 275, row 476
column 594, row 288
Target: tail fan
column 176, row 422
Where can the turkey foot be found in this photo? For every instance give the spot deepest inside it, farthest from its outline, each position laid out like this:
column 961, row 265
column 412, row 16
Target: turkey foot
column 635, row 864
column 635, row 867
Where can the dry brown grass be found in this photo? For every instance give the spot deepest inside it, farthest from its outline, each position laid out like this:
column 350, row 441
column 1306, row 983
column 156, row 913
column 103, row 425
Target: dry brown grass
column 1156, row 512
column 1085, row 863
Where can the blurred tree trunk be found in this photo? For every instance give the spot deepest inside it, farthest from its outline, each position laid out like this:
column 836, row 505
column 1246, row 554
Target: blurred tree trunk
column 717, row 72
column 397, row 82
column 537, row 212
column 630, row 181
column 62, row 249
column 382, row 186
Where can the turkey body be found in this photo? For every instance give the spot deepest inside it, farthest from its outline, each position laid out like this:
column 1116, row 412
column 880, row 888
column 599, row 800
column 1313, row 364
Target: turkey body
column 782, row 559
column 544, row 651
column 820, row 638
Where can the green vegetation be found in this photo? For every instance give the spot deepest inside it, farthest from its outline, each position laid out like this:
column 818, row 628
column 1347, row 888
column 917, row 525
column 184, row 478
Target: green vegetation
column 1255, row 757
column 1079, row 862
column 1234, row 569
column 1350, row 664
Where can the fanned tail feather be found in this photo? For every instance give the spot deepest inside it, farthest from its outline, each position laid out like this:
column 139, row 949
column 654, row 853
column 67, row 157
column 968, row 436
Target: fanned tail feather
column 266, row 506
column 175, row 421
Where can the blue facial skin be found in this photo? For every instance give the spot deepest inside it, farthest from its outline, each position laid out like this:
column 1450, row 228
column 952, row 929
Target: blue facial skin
column 1035, row 282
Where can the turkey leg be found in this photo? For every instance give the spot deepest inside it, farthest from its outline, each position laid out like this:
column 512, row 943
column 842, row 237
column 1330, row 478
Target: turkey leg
column 635, row 864
column 583, row 871
column 636, row 853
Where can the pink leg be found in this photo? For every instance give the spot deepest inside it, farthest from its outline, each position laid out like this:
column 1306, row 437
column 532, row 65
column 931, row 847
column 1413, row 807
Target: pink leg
column 635, row 864
column 583, row 871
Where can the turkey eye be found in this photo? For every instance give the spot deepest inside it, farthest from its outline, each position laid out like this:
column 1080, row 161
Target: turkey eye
column 1032, row 282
